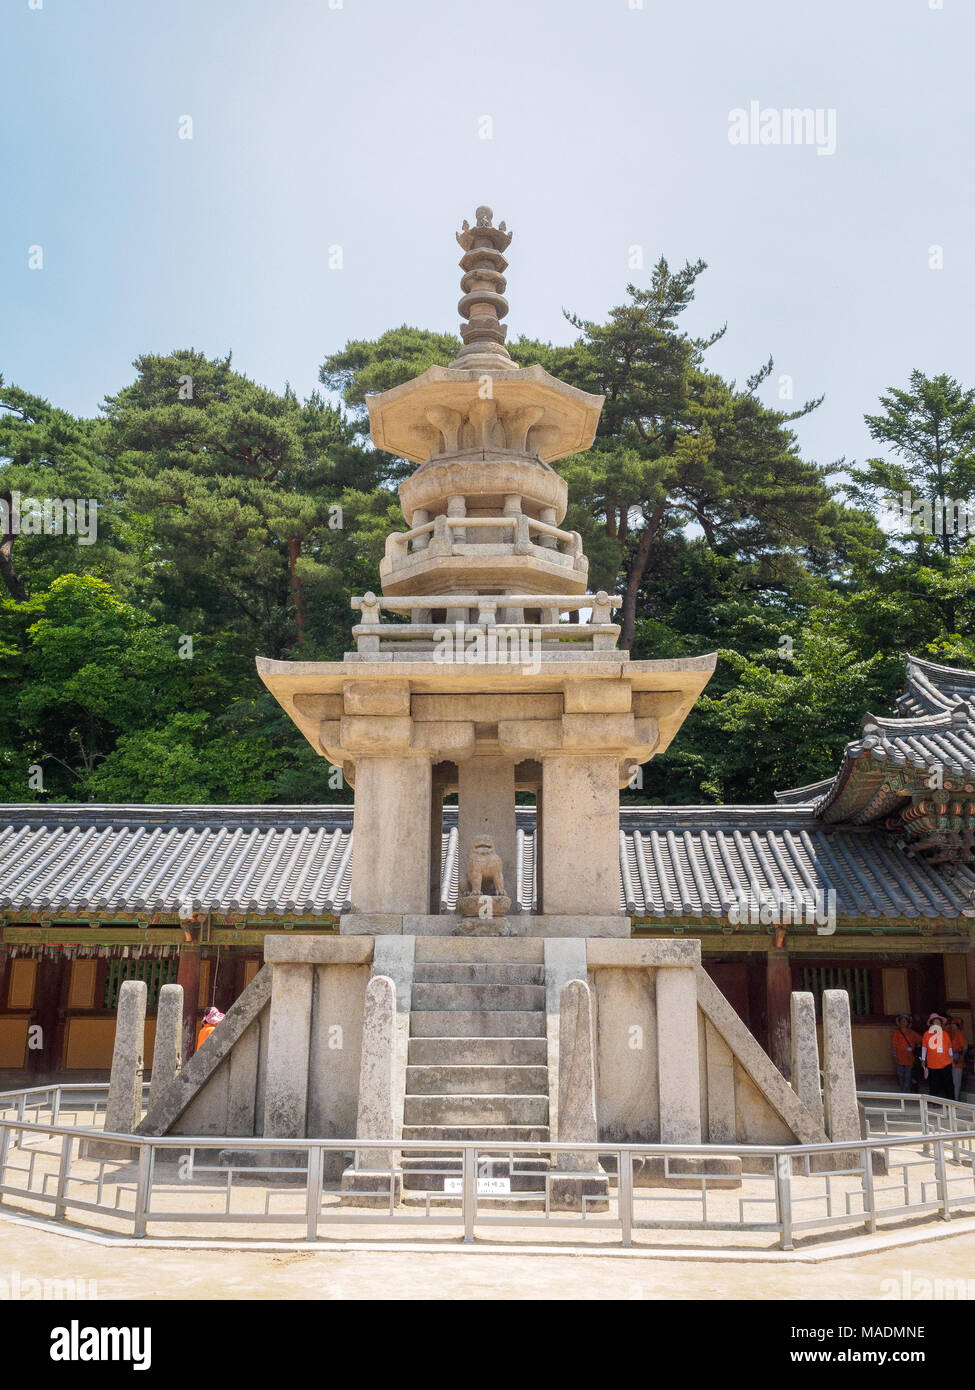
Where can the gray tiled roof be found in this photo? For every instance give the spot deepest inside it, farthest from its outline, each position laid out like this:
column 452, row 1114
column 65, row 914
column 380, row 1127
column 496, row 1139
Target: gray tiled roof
column 151, row 860
column 696, row 861
column 296, row 861
column 947, row 738
column 930, row 689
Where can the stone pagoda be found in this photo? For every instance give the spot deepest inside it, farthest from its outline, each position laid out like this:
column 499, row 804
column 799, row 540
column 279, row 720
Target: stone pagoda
column 524, row 1016
column 486, row 690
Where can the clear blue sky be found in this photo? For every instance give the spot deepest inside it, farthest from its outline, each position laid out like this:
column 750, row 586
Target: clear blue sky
column 359, row 126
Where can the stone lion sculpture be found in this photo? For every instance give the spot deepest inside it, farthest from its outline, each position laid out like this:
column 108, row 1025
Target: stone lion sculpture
column 484, row 864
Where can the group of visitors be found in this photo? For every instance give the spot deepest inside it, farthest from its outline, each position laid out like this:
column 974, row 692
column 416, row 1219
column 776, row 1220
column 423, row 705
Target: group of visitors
column 935, row 1055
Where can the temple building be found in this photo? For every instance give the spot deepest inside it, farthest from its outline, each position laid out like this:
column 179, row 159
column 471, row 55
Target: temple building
column 864, row 882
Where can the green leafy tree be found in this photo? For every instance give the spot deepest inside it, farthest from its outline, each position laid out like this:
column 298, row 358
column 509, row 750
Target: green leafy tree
column 47, row 454
column 246, row 489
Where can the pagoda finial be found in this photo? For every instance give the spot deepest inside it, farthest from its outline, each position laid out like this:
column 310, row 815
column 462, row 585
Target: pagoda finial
column 483, row 304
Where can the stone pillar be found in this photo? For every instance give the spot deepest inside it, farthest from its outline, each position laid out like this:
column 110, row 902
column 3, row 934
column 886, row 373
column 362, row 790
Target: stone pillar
column 420, row 518
column 188, row 979
column 840, row 1102
column 805, row 1054
column 124, row 1108
column 548, row 515
column 391, row 831
column 539, row 849
column 457, row 506
column 167, row 1052
column 577, row 1106
column 778, row 989
column 393, row 958
column 565, row 960
column 368, row 1184
column 581, row 835
column 577, row 1080
column 376, row 1075
column 289, row 1040
column 438, row 790
column 49, row 982
column 486, row 797
column 678, row 1063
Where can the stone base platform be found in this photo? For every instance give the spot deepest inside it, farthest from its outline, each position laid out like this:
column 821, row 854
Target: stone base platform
column 448, row 924
column 575, row 1191
column 364, row 1187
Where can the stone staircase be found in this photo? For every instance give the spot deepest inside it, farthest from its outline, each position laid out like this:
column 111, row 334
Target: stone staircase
column 478, row 1057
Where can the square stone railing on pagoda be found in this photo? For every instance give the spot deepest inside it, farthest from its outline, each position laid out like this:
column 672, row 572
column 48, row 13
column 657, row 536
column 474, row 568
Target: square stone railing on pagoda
column 482, row 537
column 537, row 616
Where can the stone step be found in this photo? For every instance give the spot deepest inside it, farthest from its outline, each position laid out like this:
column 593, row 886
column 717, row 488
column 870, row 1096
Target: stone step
column 479, row 1134
column 468, row 998
column 476, row 1080
column 482, row 949
column 476, row 1109
column 438, row 972
column 480, row 1023
column 478, row 1052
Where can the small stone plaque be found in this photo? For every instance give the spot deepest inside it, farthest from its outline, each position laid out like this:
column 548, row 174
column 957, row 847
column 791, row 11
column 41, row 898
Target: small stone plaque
column 486, row 1187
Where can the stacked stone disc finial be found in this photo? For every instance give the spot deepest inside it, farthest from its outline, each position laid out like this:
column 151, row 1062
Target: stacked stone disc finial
column 483, row 304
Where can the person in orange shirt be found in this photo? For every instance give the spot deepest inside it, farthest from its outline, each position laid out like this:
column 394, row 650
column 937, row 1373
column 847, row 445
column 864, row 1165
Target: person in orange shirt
column 904, row 1041
column 936, row 1057
column 211, row 1018
column 959, row 1046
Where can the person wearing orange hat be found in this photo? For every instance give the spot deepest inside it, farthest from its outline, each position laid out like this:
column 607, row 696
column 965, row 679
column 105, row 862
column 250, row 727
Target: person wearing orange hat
column 904, row 1042
column 211, row 1018
column 936, row 1057
column 959, row 1047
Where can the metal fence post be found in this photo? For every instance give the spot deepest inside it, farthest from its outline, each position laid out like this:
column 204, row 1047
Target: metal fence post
column 783, row 1198
column 869, row 1207
column 143, row 1190
column 4, row 1148
column 625, row 1191
column 64, row 1168
column 313, row 1201
column 942, row 1178
column 469, row 1185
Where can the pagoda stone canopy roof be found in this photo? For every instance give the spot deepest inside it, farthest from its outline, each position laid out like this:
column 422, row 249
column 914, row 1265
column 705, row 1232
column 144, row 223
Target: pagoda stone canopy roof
column 295, row 862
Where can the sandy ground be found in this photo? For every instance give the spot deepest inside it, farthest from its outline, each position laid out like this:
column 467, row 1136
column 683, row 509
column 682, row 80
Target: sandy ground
column 147, row 1273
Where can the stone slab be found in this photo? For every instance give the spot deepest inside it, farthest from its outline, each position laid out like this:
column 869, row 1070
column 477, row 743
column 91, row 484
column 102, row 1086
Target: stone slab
column 805, row 1054
column 289, row 1041
column 678, row 1063
column 840, row 1100
column 317, row 950
column 167, row 1049
column 654, row 952
column 448, row 924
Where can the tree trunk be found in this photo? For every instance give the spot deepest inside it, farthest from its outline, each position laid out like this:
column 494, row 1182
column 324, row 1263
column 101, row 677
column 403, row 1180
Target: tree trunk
column 7, row 537
column 611, row 518
column 638, row 568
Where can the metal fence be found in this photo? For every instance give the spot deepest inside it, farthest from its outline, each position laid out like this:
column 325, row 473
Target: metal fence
column 918, row 1160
